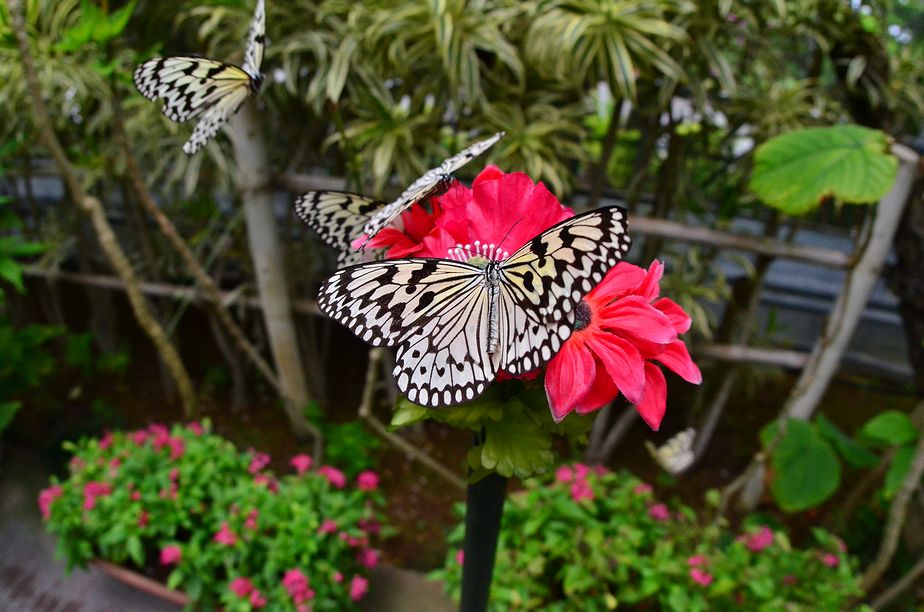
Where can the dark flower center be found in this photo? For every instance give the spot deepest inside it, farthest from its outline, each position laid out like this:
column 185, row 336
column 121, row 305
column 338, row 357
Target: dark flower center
column 582, row 316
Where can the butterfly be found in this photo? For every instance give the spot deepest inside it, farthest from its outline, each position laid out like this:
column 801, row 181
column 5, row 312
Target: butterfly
column 457, row 323
column 675, row 455
column 340, row 217
column 197, row 87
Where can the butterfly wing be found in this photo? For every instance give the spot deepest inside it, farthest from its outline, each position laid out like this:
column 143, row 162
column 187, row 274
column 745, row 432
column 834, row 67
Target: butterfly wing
column 192, row 87
column 543, row 282
column 435, row 311
column 430, row 184
column 256, row 43
column 337, row 217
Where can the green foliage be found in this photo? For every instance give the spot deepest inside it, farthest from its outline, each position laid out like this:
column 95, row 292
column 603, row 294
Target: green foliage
column 806, row 458
column 615, row 545
column 795, row 172
column 24, row 363
column 348, row 445
column 95, row 26
column 13, row 246
column 512, row 423
column 129, row 495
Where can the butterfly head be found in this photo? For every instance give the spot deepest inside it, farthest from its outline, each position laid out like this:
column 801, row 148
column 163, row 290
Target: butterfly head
column 256, row 82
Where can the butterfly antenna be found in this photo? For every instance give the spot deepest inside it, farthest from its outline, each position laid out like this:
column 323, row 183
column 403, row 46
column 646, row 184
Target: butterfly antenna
column 517, row 222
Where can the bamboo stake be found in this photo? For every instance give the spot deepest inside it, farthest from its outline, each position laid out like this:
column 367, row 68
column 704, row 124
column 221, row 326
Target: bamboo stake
column 94, row 209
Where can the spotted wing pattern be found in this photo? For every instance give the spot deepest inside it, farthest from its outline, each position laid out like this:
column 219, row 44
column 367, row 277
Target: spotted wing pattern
column 436, row 311
column 338, row 218
column 432, row 183
column 197, row 87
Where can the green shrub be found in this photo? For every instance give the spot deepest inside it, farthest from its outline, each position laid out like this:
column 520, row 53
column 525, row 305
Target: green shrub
column 592, row 540
column 228, row 531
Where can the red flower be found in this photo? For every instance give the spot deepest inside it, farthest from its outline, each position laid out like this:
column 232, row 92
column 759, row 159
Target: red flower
column 620, row 328
column 334, row 476
column 700, row 577
column 296, row 585
column 242, row 587
column 358, row 588
column 92, row 490
column 225, row 535
column 328, row 526
column 493, row 218
column 258, row 462
column 368, row 557
column 659, row 512
column 756, row 542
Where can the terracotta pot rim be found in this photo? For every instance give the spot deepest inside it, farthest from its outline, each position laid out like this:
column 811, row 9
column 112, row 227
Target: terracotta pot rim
column 140, row 582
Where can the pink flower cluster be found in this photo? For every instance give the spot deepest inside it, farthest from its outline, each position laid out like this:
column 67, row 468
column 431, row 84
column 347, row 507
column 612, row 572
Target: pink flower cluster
column 225, row 535
column 761, row 539
column 367, row 481
column 258, row 462
column 359, row 586
column 577, row 476
column 699, row 575
column 171, row 555
column 47, row 497
column 301, row 463
column 334, row 476
column 93, row 490
column 296, row 585
column 244, row 588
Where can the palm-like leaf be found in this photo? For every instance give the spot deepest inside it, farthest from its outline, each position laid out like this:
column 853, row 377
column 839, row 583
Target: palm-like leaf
column 612, row 40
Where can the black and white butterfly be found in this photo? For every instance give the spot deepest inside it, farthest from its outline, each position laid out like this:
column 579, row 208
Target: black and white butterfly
column 197, row 87
column 340, row 217
column 457, row 323
column 675, row 455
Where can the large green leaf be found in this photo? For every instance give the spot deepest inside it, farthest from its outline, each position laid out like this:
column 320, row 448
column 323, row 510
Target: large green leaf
column 7, row 411
column 854, row 453
column 794, row 172
column 806, row 469
column 516, row 446
column 898, row 470
column 890, row 428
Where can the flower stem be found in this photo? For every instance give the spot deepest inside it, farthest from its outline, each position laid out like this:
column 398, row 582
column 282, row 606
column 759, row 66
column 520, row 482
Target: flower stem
column 484, row 508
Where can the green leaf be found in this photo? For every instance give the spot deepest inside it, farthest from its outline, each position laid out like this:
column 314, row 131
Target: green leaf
column 806, row 470
column 898, row 470
column 516, row 446
column 890, row 428
column 11, row 272
column 407, row 413
column 794, row 172
column 855, row 454
column 7, row 411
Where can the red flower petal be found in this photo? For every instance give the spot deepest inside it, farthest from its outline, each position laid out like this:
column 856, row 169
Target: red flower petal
column 602, row 392
column 654, row 401
column 679, row 319
column 649, row 287
column 634, row 315
column 619, row 281
column 568, row 377
column 490, row 173
column 676, row 357
column 622, row 362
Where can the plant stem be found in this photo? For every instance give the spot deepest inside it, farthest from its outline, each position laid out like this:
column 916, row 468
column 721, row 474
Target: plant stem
column 609, row 143
column 484, row 506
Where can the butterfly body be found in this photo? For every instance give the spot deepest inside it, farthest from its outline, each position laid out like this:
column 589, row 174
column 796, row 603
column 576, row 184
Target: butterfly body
column 195, row 87
column 456, row 323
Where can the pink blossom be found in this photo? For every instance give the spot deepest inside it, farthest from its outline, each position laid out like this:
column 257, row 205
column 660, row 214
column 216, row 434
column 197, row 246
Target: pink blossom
column 830, row 560
column 257, row 600
column 358, row 588
column 269, row 483
column 701, row 577
column 93, row 490
column 47, row 497
column 296, row 584
column 144, row 518
column 140, row 437
column 196, row 428
column 581, row 490
column 581, row 471
column 460, row 556
column 170, row 555
column 367, row 481
column 600, row 470
column 76, row 464
column 174, row 474
column 225, row 535
column 337, row 577
column 136, row 495
column 251, row 521
column 328, row 526
column 756, row 542
column 242, row 587
column 659, row 512
column 106, row 441
column 258, row 462
column 334, row 476
column 790, row 580
column 368, row 557
column 370, row 526
column 564, row 474
column 177, row 447
column 642, row 489
column 161, row 435
column 696, row 560
column 301, row 463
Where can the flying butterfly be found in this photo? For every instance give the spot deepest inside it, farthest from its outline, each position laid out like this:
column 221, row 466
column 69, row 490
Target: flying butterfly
column 457, row 322
column 340, row 217
column 197, row 87
column 675, row 455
